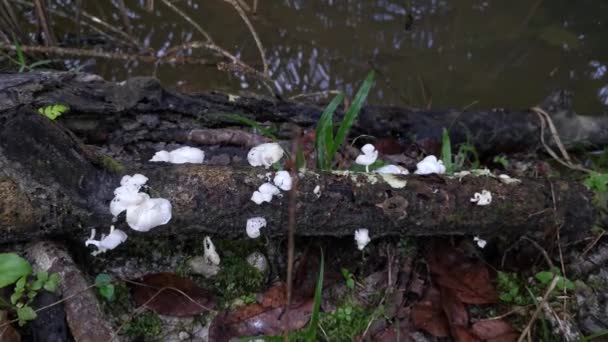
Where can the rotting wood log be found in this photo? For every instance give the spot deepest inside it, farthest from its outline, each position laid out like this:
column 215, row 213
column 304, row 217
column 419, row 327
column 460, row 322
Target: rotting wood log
column 140, row 109
column 54, row 185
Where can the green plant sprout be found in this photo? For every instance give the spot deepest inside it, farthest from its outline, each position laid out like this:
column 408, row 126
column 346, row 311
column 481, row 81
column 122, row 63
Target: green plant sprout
column 53, row 111
column 21, row 60
column 326, row 144
column 16, row 270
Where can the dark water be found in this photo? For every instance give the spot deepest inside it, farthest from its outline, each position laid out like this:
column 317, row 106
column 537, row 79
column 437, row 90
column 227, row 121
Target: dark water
column 428, row 53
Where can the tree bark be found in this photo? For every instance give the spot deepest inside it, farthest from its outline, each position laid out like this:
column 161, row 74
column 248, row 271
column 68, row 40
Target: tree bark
column 140, row 109
column 53, row 185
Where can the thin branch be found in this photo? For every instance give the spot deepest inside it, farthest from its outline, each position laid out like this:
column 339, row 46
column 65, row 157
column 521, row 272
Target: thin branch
column 125, row 38
column 54, row 50
column 258, row 42
column 189, row 20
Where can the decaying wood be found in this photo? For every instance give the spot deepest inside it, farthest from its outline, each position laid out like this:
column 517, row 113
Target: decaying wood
column 127, row 112
column 52, row 184
column 55, row 185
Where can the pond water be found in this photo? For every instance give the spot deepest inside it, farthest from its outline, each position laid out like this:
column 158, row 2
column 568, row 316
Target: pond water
column 427, row 53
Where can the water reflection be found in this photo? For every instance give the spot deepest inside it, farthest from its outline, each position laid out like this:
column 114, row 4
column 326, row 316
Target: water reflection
column 426, row 52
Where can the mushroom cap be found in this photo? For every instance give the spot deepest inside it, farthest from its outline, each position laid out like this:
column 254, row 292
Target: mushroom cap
column 265, row 154
column 149, row 214
column 161, row 156
column 369, row 156
column 187, row 154
column 368, row 149
column 254, row 225
column 268, row 188
column 429, row 165
column 115, row 238
column 392, row 169
column 362, row 238
column 283, row 180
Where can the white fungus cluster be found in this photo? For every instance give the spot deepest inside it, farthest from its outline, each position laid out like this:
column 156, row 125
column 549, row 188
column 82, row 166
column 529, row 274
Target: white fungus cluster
column 428, row 165
column 111, row 241
column 143, row 212
column 483, row 198
column 181, row 155
column 265, row 154
column 265, row 193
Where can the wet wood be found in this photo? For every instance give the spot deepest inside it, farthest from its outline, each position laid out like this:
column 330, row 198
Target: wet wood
column 140, row 108
column 67, row 190
column 54, row 185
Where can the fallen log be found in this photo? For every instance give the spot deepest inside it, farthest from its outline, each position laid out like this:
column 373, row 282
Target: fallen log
column 140, row 109
column 53, row 185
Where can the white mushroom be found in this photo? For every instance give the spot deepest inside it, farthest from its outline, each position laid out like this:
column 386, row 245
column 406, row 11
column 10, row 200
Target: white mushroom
column 265, row 154
column 430, row 165
column 283, row 180
column 115, row 238
column 209, row 252
column 254, row 225
column 182, row 155
column 480, row 242
column 362, row 238
column 508, row 180
column 369, row 156
column 265, row 193
column 483, row 198
column 259, row 261
column 317, row 191
column 151, row 213
column 392, row 169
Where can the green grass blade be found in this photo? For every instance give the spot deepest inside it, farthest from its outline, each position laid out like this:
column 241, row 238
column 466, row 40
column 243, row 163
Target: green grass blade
column 446, row 152
column 20, row 55
column 40, row 63
column 324, row 134
column 249, row 122
column 311, row 332
column 352, row 114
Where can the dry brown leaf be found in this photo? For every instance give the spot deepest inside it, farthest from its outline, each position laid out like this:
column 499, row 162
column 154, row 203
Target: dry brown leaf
column 170, row 302
column 495, row 331
column 428, row 314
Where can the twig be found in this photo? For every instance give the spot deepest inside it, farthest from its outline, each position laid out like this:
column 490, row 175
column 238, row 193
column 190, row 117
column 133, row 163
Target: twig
column 545, row 119
column 55, row 50
column 189, row 20
column 124, row 14
column 541, row 249
column 126, row 39
column 593, row 243
column 323, row 93
column 142, row 306
column 291, row 227
column 539, row 307
column 258, row 42
column 41, row 14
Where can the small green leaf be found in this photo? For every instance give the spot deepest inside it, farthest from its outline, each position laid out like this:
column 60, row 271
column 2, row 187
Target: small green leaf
column 53, row 111
column 544, row 277
column 350, row 283
column 25, row 314
column 12, row 267
column 52, row 283
column 105, row 287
